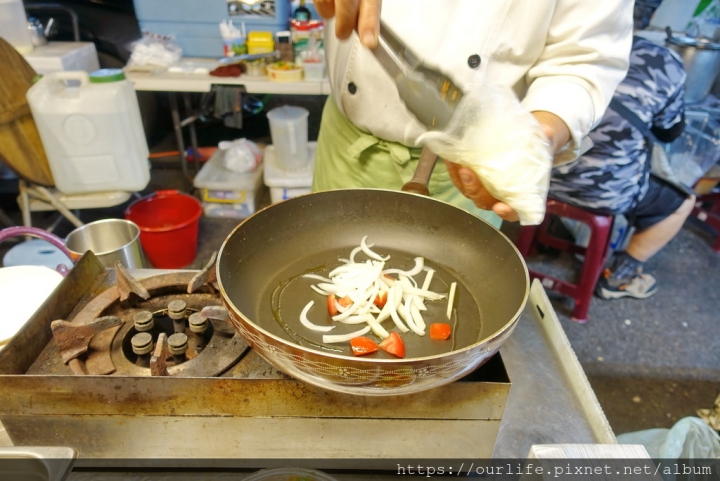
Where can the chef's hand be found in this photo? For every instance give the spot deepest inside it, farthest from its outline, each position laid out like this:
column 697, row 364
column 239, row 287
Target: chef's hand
column 360, row 15
column 467, row 181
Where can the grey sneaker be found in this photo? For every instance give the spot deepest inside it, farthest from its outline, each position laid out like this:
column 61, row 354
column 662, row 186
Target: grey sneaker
column 641, row 286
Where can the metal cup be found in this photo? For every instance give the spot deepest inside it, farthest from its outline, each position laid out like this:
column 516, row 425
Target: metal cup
column 111, row 240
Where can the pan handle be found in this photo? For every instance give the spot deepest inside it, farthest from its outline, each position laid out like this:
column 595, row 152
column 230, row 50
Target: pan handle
column 419, row 182
column 44, row 235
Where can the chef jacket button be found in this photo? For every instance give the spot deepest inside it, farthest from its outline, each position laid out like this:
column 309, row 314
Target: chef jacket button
column 352, row 88
column 474, row 61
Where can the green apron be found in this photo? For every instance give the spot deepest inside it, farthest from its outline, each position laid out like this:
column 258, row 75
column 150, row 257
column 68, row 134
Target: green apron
column 348, row 158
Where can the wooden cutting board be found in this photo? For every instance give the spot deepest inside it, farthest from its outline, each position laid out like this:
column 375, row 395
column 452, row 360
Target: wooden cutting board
column 20, row 146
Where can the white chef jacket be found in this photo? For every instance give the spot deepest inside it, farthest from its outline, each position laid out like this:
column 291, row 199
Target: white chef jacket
column 561, row 56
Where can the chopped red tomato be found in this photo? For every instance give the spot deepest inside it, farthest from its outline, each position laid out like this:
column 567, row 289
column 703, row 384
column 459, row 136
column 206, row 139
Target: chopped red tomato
column 393, row 344
column 332, row 308
column 440, row 331
column 363, row 345
column 345, row 301
column 381, row 299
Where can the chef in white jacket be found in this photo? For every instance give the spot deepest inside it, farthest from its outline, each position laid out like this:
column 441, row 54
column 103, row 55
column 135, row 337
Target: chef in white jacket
column 563, row 58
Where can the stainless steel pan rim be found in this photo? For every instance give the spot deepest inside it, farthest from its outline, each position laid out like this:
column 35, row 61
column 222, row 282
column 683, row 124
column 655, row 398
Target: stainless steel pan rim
column 363, row 360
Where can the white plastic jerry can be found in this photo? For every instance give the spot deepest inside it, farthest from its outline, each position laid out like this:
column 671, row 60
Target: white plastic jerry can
column 92, row 132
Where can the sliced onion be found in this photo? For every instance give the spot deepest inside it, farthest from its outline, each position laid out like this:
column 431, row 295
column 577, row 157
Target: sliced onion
column 319, row 291
column 428, row 279
column 394, row 303
column 419, row 263
column 409, row 319
column 372, row 255
column 377, row 329
column 314, row 327
column 451, row 299
column 427, row 294
column 417, row 318
column 358, row 319
column 317, row 277
column 333, row 338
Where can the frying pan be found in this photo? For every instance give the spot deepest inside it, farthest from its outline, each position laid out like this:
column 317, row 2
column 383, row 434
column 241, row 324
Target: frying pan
column 261, row 263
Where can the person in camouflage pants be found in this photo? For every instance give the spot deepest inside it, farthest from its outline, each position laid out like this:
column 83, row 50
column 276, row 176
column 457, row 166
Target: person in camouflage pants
column 613, row 177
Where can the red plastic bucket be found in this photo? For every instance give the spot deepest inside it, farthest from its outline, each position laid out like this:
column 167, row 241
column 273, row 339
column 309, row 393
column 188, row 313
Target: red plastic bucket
column 168, row 222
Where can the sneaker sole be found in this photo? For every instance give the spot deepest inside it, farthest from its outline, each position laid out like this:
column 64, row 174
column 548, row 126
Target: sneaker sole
column 608, row 294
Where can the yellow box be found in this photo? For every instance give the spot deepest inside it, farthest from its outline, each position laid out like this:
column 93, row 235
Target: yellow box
column 260, row 42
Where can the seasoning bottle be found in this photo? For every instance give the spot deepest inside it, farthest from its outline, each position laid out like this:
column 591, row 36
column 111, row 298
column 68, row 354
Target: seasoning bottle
column 284, row 46
column 302, row 13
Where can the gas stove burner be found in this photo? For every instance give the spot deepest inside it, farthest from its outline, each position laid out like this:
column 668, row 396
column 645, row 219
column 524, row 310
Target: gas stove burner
column 151, row 327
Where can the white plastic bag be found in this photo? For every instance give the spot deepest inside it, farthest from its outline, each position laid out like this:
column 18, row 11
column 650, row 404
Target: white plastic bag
column 241, row 155
column 156, row 50
column 689, row 438
column 503, row 144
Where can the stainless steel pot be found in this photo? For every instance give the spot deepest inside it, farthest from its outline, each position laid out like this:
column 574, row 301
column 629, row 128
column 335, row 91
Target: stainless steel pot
column 111, row 240
column 701, row 59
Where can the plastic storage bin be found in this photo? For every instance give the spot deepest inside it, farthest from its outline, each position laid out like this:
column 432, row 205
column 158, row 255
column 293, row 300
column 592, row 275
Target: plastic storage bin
column 285, row 184
column 228, row 194
column 92, row 133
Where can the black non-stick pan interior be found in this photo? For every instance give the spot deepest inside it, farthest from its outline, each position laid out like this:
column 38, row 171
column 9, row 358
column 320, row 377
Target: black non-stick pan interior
column 262, row 261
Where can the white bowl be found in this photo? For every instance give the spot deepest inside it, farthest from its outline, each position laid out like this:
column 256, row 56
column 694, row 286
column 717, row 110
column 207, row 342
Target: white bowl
column 22, row 290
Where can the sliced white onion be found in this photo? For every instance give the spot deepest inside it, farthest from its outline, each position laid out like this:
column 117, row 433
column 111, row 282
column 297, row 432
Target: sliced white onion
column 372, row 255
column 377, row 329
column 409, row 319
column 319, row 291
column 417, row 318
column 427, row 294
column 358, row 319
column 334, row 338
column 428, row 279
column 317, row 277
column 451, row 299
column 354, row 253
column 394, row 300
column 419, row 263
column 314, row 327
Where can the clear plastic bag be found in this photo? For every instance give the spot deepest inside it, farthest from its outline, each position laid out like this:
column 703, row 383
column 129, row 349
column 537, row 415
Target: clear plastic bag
column 241, row 155
column 156, row 50
column 492, row 134
column 689, row 438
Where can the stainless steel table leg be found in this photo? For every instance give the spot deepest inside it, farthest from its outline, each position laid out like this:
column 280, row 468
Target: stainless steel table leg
column 179, row 138
column 193, row 134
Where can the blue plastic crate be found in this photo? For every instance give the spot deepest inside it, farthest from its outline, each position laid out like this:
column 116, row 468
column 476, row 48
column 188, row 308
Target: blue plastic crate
column 194, row 23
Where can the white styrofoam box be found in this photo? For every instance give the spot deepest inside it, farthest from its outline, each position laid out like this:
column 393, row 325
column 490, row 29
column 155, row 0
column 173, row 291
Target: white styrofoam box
column 226, row 193
column 64, row 56
column 286, row 184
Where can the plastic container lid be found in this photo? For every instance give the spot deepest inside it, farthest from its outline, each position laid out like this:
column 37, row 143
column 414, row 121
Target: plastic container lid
column 287, row 113
column 36, row 252
column 214, row 176
column 277, row 177
column 105, row 75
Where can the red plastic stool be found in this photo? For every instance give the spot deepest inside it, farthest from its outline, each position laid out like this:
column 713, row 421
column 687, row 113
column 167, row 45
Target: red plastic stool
column 707, row 209
column 594, row 255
